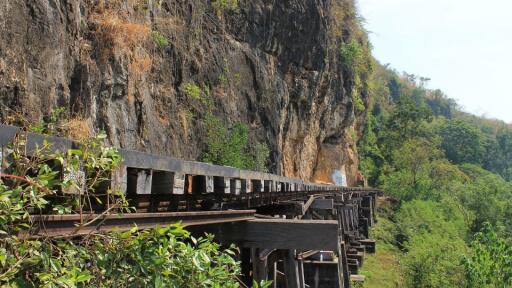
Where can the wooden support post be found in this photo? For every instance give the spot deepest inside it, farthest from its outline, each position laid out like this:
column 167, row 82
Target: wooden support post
column 301, row 273
column 291, row 270
column 369, row 245
column 364, row 227
column 259, row 266
column 343, row 270
column 245, row 258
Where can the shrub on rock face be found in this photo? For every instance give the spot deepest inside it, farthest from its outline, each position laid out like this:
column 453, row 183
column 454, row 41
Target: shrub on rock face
column 231, row 147
column 224, row 5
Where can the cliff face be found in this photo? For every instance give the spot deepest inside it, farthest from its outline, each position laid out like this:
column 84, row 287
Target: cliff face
column 126, row 66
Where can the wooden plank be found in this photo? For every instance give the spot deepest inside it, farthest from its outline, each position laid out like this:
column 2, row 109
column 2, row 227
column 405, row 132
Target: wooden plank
column 278, row 234
column 306, row 206
column 357, row 278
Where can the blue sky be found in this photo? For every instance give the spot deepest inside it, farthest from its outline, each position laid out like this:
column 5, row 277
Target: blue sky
column 464, row 46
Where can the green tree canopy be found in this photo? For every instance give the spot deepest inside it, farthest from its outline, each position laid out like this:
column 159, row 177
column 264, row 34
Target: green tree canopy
column 462, row 142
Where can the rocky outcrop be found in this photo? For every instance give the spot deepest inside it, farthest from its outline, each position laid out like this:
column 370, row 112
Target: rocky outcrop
column 123, row 66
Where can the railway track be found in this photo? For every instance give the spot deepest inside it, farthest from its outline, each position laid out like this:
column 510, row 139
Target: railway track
column 296, row 233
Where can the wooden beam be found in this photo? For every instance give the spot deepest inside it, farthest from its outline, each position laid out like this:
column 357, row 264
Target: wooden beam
column 308, row 204
column 324, row 204
column 277, row 234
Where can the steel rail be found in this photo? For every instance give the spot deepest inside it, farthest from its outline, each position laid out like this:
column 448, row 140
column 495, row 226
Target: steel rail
column 70, row 225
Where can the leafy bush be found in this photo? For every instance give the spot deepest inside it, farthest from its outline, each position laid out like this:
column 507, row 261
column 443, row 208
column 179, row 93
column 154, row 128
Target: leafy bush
column 224, row 5
column 160, row 257
column 353, row 56
column 50, row 123
column 192, row 90
column 358, row 102
column 261, row 154
column 434, row 236
column 433, row 261
column 490, row 265
column 159, row 39
column 231, row 147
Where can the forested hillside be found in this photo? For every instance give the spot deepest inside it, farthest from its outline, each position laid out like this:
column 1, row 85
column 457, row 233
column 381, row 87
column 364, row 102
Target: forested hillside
column 448, row 223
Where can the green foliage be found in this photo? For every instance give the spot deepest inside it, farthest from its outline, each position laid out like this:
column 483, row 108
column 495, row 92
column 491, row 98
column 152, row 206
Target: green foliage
column 159, row 39
column 432, row 261
column 223, row 78
column 411, row 177
column 382, row 269
column 192, row 90
column 358, row 102
column 160, row 257
column 354, row 56
column 462, row 142
column 441, row 105
column 490, row 265
column 443, row 218
column 408, row 120
column 489, row 197
column 433, row 159
column 434, row 233
column 225, row 5
column 498, row 155
column 261, row 154
column 226, row 147
column 357, row 62
column 371, row 156
column 385, row 232
column 231, row 147
column 49, row 125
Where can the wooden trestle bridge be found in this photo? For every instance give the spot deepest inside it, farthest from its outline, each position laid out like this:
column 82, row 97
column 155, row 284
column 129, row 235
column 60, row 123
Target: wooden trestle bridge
column 296, row 233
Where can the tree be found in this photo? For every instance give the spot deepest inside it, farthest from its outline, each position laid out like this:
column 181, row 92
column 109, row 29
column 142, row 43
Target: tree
column 434, row 242
column 490, row 265
column 462, row 142
column 407, row 121
column 411, row 176
column 487, row 195
column 369, row 152
column 504, row 141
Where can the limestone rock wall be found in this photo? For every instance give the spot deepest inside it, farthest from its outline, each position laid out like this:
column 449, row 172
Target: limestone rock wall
column 274, row 65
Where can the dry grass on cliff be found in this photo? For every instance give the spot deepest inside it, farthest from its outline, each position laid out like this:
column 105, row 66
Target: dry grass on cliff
column 77, row 128
column 117, row 36
column 140, row 65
